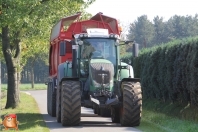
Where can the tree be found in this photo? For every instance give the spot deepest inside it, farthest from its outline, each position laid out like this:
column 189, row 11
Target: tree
column 159, row 30
column 180, row 26
column 21, row 20
column 34, row 52
column 142, row 31
column 192, row 25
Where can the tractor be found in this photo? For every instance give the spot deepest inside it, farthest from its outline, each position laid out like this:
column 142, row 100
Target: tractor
column 85, row 70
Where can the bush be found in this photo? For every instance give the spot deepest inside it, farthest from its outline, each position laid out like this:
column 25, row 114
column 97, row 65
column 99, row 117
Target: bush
column 169, row 71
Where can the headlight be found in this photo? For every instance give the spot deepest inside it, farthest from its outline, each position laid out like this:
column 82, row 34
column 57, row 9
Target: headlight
column 116, row 36
column 81, row 35
column 111, row 35
column 85, row 35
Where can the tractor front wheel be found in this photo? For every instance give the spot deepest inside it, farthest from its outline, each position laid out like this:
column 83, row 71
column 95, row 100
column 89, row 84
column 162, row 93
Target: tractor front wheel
column 130, row 112
column 115, row 115
column 70, row 103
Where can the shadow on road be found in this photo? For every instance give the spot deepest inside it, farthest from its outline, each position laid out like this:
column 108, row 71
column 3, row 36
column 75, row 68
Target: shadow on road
column 89, row 115
column 53, row 124
column 90, row 122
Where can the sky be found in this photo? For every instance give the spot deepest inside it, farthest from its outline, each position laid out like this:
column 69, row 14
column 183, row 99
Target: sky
column 128, row 11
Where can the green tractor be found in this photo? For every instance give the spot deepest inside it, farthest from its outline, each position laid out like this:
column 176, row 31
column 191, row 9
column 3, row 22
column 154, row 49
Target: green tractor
column 93, row 76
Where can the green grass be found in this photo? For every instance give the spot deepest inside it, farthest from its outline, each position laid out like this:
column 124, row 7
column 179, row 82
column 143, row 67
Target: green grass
column 28, row 115
column 28, row 86
column 168, row 117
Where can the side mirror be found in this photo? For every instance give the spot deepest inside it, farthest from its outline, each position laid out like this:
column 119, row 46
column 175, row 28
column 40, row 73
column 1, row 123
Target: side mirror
column 135, row 49
column 62, row 48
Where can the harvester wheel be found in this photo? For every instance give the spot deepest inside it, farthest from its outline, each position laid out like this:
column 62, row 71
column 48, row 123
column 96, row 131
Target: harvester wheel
column 58, row 104
column 115, row 115
column 51, row 100
column 70, row 103
column 130, row 112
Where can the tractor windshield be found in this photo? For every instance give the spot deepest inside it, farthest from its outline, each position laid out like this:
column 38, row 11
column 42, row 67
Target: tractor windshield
column 99, row 49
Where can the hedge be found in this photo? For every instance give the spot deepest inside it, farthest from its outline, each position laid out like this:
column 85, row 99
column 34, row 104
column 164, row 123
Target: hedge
column 169, row 71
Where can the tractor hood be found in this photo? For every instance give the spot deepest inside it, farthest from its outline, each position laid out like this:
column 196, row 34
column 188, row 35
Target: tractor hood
column 102, row 73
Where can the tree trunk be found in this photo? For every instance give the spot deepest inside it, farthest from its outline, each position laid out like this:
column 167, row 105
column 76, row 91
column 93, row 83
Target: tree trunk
column 12, row 89
column 27, row 74
column 32, row 76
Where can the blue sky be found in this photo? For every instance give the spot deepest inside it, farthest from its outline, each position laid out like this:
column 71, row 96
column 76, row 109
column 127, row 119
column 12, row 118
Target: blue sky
column 129, row 10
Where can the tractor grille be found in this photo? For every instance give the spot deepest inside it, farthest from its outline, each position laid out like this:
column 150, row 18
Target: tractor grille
column 102, row 70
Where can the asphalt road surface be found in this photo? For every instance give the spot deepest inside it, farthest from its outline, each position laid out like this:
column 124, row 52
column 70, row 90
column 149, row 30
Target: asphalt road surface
column 89, row 121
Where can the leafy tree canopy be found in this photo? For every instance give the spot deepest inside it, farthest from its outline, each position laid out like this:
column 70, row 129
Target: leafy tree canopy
column 30, row 21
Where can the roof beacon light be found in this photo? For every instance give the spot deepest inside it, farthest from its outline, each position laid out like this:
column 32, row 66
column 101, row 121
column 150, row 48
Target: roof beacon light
column 97, row 32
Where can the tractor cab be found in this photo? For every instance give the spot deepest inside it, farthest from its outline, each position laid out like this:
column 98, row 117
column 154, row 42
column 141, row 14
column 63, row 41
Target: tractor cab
column 97, row 47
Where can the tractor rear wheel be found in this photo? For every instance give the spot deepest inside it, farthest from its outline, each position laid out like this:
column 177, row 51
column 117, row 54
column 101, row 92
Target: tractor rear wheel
column 98, row 110
column 58, row 104
column 115, row 115
column 70, row 103
column 95, row 109
column 130, row 113
column 51, row 100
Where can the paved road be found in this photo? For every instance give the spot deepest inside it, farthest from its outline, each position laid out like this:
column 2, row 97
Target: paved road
column 89, row 121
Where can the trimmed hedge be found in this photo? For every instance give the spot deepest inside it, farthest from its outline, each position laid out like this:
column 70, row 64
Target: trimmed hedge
column 169, row 71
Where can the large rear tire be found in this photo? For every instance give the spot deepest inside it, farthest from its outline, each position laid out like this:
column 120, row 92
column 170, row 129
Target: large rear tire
column 51, row 100
column 95, row 109
column 58, row 105
column 130, row 113
column 115, row 115
column 70, row 103
column 98, row 110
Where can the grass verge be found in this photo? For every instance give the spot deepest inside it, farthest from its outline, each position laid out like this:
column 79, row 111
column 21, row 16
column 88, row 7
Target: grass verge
column 168, row 117
column 28, row 115
column 37, row 86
